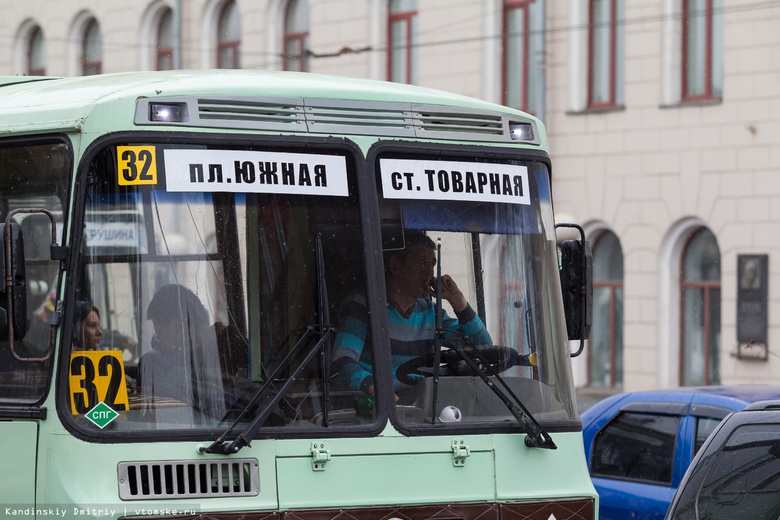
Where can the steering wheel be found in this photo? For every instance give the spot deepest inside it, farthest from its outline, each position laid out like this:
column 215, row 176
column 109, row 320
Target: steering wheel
column 499, row 358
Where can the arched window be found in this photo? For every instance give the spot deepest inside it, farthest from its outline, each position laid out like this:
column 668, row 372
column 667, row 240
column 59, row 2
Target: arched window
column 229, row 37
column 296, row 36
column 36, row 53
column 165, row 42
column 402, row 41
column 700, row 310
column 605, row 350
column 91, row 49
column 521, row 41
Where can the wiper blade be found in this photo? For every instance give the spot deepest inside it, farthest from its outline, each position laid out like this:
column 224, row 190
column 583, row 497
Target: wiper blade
column 536, row 436
column 221, row 445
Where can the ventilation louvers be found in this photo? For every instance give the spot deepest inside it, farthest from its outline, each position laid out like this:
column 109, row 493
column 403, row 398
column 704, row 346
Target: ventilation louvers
column 337, row 117
column 188, row 479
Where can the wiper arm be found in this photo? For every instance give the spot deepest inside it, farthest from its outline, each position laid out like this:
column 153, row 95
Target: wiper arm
column 536, row 436
column 438, row 337
column 220, row 445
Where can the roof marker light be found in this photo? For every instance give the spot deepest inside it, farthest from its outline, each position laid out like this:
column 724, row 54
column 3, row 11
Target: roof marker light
column 165, row 112
column 521, row 131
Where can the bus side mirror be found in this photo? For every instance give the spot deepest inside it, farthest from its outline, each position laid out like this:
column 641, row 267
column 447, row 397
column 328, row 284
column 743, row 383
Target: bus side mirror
column 13, row 290
column 577, row 287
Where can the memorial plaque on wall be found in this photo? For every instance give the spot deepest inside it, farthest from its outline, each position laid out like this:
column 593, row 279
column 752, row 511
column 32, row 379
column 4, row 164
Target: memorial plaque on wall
column 752, row 291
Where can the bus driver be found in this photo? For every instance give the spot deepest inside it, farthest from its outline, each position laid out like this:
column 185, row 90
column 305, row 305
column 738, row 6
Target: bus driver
column 411, row 315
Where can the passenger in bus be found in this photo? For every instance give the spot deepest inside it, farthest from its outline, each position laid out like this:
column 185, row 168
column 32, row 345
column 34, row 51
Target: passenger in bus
column 87, row 332
column 411, row 313
column 183, row 363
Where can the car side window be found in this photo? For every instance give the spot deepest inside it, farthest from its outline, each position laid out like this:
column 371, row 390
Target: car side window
column 704, row 427
column 636, row 446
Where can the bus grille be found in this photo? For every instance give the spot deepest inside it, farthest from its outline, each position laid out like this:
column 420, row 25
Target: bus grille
column 188, row 479
column 333, row 117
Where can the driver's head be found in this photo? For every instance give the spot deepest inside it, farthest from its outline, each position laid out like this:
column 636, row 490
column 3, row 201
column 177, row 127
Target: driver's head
column 174, row 309
column 412, row 266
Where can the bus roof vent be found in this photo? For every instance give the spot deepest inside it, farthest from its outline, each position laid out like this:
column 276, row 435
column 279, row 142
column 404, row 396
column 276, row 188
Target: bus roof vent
column 435, row 122
column 358, row 117
column 250, row 113
column 188, row 479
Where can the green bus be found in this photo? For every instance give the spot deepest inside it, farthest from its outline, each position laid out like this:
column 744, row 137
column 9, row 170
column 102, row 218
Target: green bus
column 204, row 315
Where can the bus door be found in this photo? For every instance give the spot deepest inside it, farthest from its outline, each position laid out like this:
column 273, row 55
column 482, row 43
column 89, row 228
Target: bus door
column 33, row 174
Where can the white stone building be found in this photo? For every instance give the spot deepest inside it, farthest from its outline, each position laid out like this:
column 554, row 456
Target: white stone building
column 663, row 117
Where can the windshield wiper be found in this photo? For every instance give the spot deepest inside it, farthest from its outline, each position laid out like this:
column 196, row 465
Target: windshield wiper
column 221, row 445
column 322, row 347
column 536, row 436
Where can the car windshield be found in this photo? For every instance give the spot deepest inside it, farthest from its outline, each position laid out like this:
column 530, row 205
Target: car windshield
column 214, row 282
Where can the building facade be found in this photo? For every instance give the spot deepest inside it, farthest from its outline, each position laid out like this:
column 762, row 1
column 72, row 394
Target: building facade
column 663, row 119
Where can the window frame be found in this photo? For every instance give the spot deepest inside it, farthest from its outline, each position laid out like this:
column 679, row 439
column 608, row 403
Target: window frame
column 508, row 68
column 298, row 38
column 709, row 348
column 91, row 67
column 613, row 286
column 593, row 64
column 35, row 44
column 407, row 19
column 161, row 53
column 224, row 46
column 708, row 58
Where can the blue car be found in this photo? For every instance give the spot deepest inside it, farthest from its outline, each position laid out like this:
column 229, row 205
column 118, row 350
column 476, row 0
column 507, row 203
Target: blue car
column 639, row 444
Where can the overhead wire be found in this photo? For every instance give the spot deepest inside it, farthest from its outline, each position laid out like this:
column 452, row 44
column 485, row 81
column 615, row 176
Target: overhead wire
column 348, row 49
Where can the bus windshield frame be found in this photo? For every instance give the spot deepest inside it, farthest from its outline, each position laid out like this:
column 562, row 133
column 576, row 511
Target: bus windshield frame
column 360, row 228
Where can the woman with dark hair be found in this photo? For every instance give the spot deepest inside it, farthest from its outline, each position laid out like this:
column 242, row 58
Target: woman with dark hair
column 87, row 333
column 183, row 363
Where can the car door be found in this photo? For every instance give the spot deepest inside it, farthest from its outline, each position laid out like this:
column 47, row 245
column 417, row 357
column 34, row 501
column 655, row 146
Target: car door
column 700, row 422
column 633, row 460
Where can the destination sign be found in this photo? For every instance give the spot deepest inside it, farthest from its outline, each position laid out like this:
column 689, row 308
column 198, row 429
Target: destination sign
column 454, row 180
column 112, row 234
column 240, row 171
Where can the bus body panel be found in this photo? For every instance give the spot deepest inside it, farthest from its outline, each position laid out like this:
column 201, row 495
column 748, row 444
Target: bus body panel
column 18, row 462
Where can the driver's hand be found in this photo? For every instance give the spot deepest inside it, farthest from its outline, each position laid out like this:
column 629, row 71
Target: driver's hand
column 371, row 392
column 450, row 292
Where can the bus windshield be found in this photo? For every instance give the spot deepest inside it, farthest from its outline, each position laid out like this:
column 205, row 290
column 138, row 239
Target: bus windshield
column 247, row 287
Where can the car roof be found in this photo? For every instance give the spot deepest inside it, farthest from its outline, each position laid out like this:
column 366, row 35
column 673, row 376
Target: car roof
column 763, row 416
column 735, row 397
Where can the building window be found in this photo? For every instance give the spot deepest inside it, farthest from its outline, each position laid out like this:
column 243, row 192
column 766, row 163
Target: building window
column 606, row 53
column 165, row 51
column 700, row 310
column 91, row 49
column 521, row 44
column 402, row 41
column 296, row 36
column 605, row 350
column 229, row 37
column 36, row 53
column 702, row 49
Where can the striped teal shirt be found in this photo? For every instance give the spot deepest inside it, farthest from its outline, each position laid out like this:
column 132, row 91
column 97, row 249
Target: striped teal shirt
column 411, row 335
